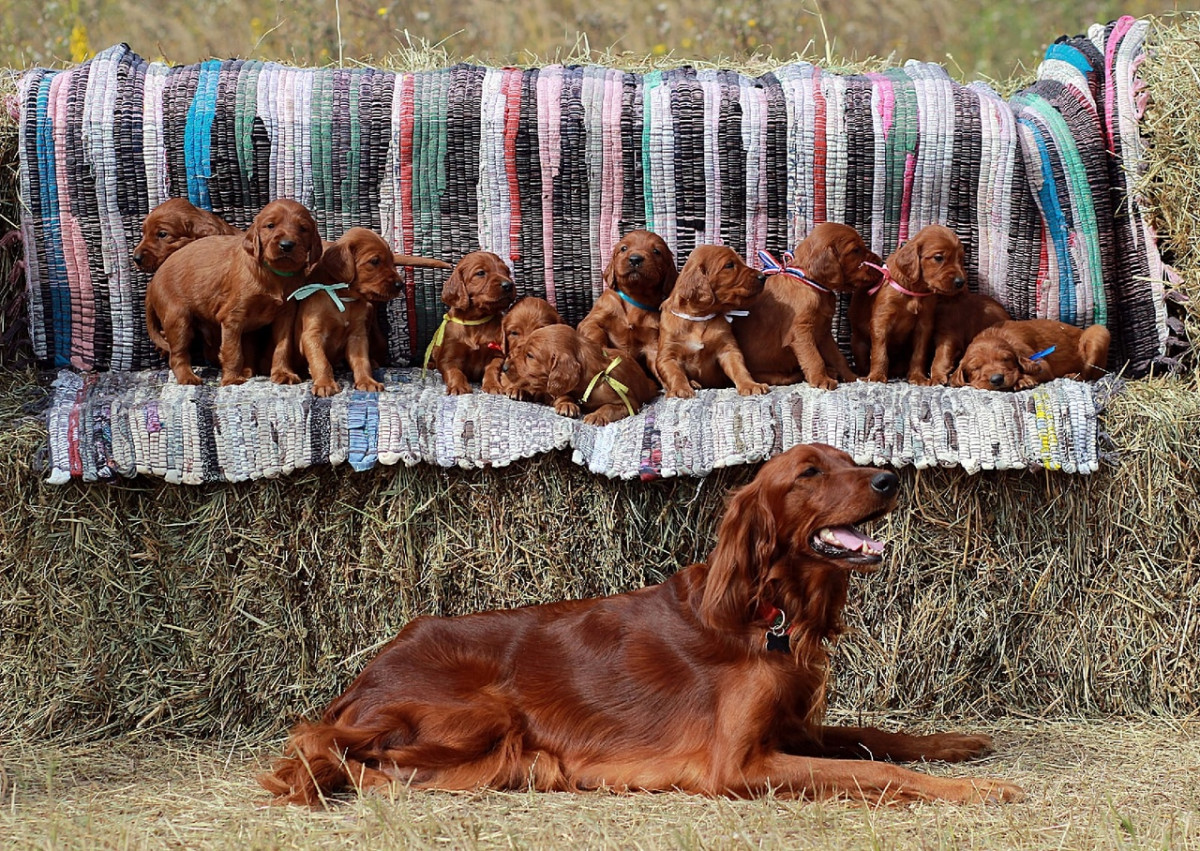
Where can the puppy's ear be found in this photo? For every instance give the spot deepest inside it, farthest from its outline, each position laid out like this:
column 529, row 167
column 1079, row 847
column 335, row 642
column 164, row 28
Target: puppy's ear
column 826, row 269
column 252, row 242
column 957, row 378
column 670, row 273
column 693, row 287
column 905, row 264
column 315, row 246
column 610, row 273
column 454, row 292
column 201, row 226
column 564, row 375
column 337, row 264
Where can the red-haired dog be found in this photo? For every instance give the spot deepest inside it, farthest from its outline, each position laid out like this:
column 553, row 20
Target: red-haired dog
column 640, row 274
column 478, row 293
column 525, row 316
column 332, row 317
column 713, row 682
column 556, row 362
column 788, row 335
column 897, row 315
column 956, row 323
column 172, row 225
column 236, row 282
column 1020, row 354
column 696, row 346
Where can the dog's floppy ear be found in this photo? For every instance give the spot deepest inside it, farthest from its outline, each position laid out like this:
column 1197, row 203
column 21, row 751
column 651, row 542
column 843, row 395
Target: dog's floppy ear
column 905, row 264
column 693, row 287
column 198, row 227
column 957, row 378
column 564, row 375
column 315, row 246
column 826, row 269
column 670, row 275
column 454, row 292
column 337, row 264
column 252, row 242
column 610, row 273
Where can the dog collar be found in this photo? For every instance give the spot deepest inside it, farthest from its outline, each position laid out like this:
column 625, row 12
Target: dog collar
column 275, row 271
column 1043, row 353
column 635, row 302
column 778, row 635
column 729, row 315
column 330, row 289
column 622, row 390
column 440, row 334
column 771, row 266
column 890, row 281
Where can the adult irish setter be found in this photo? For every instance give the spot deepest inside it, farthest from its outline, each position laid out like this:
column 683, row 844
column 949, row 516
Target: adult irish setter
column 712, row 682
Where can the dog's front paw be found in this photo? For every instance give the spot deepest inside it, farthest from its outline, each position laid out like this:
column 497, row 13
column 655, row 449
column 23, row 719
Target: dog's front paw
column 325, row 389
column 566, row 408
column 281, row 376
column 753, row 388
column 369, row 385
column 683, row 392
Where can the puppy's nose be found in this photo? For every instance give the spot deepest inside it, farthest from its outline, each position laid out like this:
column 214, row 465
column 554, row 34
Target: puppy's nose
column 137, row 258
column 636, row 260
column 959, row 283
column 504, row 367
column 506, row 285
column 762, row 279
column 286, row 245
column 997, row 380
column 885, row 483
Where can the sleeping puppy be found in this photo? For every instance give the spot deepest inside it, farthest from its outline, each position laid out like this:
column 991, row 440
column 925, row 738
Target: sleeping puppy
column 696, row 346
column 172, row 225
column 788, row 336
column 957, row 322
column 577, row 374
column 525, row 316
column 1017, row 355
column 640, row 274
column 332, row 317
column 898, row 314
column 478, row 292
column 238, row 283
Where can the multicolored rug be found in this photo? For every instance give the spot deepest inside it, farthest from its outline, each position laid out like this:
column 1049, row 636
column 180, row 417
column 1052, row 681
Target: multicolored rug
column 111, row 424
column 548, row 167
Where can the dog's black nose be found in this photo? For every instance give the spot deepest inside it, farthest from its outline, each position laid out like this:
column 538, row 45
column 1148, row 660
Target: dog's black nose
column 636, row 260
column 997, row 380
column 959, row 283
column 504, row 366
column 885, row 483
column 506, row 285
column 286, row 245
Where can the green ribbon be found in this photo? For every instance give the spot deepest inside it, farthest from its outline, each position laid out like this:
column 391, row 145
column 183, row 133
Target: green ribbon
column 330, row 289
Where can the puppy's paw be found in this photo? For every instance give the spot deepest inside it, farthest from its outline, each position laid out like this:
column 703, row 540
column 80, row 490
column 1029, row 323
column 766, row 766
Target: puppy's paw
column 753, row 388
column 281, row 376
column 684, row 392
column 566, row 408
column 325, row 389
column 370, row 385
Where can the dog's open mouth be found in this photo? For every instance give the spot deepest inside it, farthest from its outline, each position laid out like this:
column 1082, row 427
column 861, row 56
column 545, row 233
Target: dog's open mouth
column 847, row 542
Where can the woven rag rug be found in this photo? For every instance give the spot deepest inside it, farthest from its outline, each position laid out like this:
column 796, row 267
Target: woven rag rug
column 549, row 166
column 113, row 424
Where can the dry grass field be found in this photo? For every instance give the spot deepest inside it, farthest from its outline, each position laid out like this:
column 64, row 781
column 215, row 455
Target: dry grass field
column 1113, row 784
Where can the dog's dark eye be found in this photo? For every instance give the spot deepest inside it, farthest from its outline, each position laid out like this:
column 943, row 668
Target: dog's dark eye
column 481, row 273
column 624, row 248
column 270, row 226
column 809, row 472
column 939, row 257
column 729, row 265
column 657, row 252
column 162, row 234
column 529, row 355
column 374, row 261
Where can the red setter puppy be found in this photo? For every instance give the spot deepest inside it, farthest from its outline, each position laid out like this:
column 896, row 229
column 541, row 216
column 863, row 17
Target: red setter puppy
column 1017, row 355
column 525, row 316
column 713, row 682
column 788, row 335
column 640, row 274
column 576, row 374
column 898, row 314
column 696, row 346
column 957, row 321
column 236, row 282
column 172, row 225
column 477, row 293
column 332, row 317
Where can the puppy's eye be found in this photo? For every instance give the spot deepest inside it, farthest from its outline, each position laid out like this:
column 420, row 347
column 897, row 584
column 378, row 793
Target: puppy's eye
column 809, row 472
column 657, row 252
column 624, row 248
column 529, row 355
column 162, row 234
column 481, row 273
column 939, row 257
column 374, row 261
column 270, row 226
column 729, row 265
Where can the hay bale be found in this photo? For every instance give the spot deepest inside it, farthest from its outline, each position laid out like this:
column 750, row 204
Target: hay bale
column 223, row 608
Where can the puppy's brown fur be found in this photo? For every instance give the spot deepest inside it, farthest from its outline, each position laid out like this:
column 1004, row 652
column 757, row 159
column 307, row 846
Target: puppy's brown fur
column 559, row 363
column 170, row 226
column 478, row 292
column 999, row 357
column 525, row 316
column 885, row 322
column 318, row 333
column 696, row 346
column 957, row 322
column 642, row 269
column 236, row 282
column 788, row 335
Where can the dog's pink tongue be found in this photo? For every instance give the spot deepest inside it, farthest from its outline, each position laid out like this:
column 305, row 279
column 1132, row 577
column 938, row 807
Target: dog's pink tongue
column 852, row 539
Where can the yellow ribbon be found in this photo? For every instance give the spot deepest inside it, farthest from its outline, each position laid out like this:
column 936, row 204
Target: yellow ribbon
column 621, row 389
column 440, row 334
